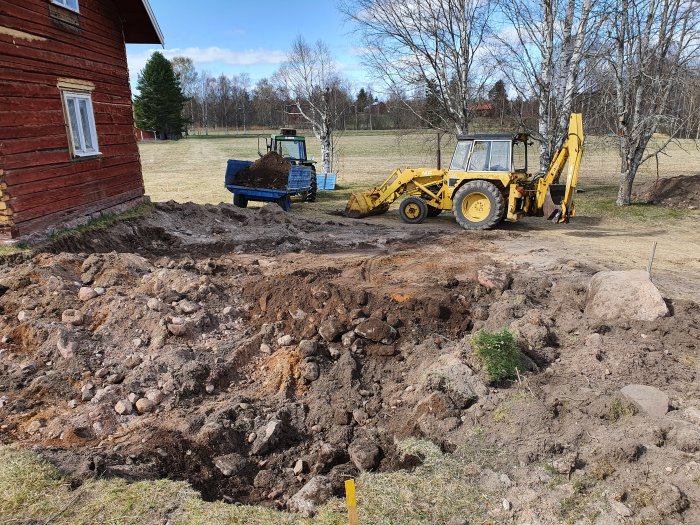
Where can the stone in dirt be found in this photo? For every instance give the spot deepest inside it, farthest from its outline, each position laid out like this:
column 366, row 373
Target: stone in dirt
column 66, row 348
column 72, row 317
column 85, row 293
column 23, row 316
column 624, row 296
column 377, row 331
column 267, row 437
column 308, row 348
column 650, row 399
column 451, row 376
column 230, row 464
column 177, row 330
column 493, row 278
column 309, row 370
column 331, row 329
column 145, row 405
column 316, row 492
column 364, row 454
column 285, row 340
column 123, row 407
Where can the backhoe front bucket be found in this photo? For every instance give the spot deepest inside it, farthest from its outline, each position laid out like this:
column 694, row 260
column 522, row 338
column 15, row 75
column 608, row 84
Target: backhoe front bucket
column 361, row 205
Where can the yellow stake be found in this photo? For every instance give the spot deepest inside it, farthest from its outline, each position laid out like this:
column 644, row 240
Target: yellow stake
column 351, row 498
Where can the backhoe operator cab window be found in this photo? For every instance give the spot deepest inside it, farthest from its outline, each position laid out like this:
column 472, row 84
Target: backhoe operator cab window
column 461, row 156
column 482, row 155
column 291, row 149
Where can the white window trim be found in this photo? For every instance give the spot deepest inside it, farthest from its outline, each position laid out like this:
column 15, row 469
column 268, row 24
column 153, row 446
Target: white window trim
column 63, row 4
column 81, row 152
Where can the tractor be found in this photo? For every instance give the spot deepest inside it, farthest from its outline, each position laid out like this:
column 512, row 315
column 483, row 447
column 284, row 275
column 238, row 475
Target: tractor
column 487, row 182
column 293, row 148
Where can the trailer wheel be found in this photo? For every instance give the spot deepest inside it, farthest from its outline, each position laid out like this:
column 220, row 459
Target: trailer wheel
column 240, row 201
column 311, row 194
column 413, row 210
column 478, row 205
column 285, row 202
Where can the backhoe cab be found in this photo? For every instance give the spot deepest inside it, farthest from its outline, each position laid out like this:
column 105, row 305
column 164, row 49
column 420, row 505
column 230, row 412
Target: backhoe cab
column 487, row 182
column 293, row 148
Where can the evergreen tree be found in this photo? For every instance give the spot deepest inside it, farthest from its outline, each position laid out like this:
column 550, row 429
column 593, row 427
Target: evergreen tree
column 159, row 103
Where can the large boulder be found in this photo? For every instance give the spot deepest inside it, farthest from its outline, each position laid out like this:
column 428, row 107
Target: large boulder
column 624, row 296
column 451, row 376
column 650, row 399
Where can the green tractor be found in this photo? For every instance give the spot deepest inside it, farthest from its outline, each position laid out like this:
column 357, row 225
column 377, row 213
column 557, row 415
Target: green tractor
column 293, row 148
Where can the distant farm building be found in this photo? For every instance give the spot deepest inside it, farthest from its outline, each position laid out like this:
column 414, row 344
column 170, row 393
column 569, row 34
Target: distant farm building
column 67, row 143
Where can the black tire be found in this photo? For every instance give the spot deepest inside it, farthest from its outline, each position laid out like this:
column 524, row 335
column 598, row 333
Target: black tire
column 413, row 210
column 478, row 205
column 285, row 202
column 240, row 200
column 433, row 211
column 311, row 194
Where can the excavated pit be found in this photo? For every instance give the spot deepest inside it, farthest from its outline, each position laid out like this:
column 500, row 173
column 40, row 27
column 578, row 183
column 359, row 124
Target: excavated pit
column 273, row 356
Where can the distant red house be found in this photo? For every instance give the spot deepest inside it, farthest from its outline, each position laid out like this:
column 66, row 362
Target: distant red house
column 67, row 143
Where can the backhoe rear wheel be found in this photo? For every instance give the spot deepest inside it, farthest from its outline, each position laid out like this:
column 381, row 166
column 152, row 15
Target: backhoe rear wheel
column 478, row 205
column 413, row 210
column 310, row 195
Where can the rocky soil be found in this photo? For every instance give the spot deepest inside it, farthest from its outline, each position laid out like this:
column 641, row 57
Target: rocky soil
column 266, row 358
column 676, row 192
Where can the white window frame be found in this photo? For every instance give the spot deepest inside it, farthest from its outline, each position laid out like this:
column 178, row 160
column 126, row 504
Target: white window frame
column 80, row 150
column 64, row 4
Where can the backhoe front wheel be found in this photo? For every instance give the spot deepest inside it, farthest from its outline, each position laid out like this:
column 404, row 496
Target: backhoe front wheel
column 413, row 210
column 478, row 205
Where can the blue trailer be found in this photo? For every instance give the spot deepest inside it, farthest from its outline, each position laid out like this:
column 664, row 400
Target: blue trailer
column 298, row 183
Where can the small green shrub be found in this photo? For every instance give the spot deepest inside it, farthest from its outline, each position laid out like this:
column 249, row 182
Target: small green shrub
column 498, row 353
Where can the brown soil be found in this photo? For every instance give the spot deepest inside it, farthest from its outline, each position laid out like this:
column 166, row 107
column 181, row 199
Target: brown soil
column 240, row 281
column 269, row 171
column 676, row 192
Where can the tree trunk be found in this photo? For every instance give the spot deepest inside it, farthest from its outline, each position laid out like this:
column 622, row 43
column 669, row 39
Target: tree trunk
column 326, row 145
column 624, row 194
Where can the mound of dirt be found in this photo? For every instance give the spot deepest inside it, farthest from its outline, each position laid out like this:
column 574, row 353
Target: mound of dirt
column 676, row 192
column 269, row 171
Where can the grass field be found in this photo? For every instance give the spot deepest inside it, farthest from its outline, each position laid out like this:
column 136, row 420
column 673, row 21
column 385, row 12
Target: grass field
column 193, row 169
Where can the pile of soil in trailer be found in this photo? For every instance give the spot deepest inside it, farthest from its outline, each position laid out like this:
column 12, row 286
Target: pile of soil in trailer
column 269, row 171
column 269, row 376
column 676, row 192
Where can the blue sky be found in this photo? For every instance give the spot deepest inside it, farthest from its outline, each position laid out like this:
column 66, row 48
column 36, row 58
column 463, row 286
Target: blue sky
column 233, row 36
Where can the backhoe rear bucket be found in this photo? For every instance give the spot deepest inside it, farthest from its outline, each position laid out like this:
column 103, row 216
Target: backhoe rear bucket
column 361, row 205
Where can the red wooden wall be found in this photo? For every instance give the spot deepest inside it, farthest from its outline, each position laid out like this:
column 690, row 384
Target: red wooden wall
column 41, row 185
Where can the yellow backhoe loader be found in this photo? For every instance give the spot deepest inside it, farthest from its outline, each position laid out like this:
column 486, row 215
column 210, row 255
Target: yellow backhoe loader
column 487, row 182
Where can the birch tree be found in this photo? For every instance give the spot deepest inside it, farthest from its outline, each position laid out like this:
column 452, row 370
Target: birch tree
column 309, row 76
column 542, row 46
column 652, row 43
column 422, row 43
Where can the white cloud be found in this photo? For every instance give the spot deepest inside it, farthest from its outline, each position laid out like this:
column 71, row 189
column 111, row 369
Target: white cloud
column 209, row 55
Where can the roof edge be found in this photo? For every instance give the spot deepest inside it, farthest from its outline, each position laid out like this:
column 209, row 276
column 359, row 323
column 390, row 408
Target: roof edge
column 154, row 21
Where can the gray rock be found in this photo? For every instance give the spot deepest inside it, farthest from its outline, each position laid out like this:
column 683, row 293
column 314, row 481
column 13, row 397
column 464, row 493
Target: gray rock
column 177, row 330
column 66, row 348
column 650, row 399
column 360, row 416
column 23, row 316
column 331, row 329
column 308, row 348
column 85, row 293
column 620, row 508
column 309, row 370
column 285, row 340
column 87, row 392
column 124, row 407
column 299, row 467
column 685, row 439
column 100, row 291
column 145, row 406
column 155, row 304
column 316, row 492
column 155, row 396
column 72, row 317
column 377, row 331
column 451, row 376
column 228, row 310
column 624, row 296
column 267, row 437
column 364, row 454
column 348, row 339
column 230, row 464
column 188, row 307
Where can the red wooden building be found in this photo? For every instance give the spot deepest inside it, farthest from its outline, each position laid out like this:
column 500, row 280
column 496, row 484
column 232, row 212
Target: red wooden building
column 67, row 143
